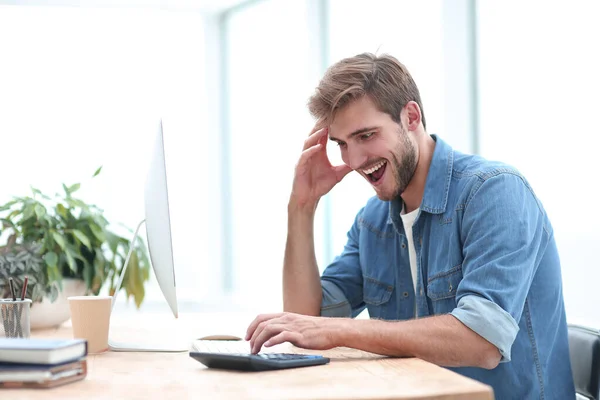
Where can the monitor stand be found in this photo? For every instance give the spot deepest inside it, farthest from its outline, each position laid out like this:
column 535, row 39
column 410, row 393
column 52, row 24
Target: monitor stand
column 167, row 346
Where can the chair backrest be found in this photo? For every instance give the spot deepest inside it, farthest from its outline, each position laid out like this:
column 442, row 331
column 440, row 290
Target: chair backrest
column 584, row 348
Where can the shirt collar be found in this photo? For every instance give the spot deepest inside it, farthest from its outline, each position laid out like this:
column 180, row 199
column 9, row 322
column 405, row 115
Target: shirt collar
column 437, row 184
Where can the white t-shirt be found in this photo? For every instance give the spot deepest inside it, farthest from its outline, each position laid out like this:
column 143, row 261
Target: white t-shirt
column 408, row 221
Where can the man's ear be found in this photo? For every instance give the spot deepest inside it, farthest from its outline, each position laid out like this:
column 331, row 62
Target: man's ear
column 411, row 115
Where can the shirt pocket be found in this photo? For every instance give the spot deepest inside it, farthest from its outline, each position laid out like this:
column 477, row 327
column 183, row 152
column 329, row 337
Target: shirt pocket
column 441, row 290
column 377, row 296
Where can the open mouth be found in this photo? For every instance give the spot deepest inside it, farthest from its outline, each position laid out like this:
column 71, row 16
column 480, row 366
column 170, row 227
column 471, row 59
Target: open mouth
column 375, row 173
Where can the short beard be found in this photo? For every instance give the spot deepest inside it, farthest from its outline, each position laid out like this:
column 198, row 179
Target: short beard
column 406, row 167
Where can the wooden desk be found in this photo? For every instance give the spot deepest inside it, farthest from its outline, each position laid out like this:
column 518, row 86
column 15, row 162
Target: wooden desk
column 351, row 374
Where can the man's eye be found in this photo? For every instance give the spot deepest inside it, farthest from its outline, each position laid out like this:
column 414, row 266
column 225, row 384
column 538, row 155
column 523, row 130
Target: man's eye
column 341, row 144
column 366, row 135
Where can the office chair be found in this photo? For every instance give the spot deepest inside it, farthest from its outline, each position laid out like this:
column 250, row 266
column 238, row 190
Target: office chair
column 584, row 348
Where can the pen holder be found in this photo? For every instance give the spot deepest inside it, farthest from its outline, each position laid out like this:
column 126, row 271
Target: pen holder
column 15, row 318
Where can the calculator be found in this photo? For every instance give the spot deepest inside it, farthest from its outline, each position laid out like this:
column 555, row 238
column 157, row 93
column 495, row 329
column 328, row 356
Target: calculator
column 257, row 362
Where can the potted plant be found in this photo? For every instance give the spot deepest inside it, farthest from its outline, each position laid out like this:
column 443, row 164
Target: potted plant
column 18, row 262
column 80, row 254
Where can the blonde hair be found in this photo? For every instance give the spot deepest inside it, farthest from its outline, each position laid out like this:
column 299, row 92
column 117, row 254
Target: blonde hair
column 383, row 78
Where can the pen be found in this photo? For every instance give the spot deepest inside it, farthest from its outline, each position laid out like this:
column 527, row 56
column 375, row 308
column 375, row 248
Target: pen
column 12, row 289
column 24, row 289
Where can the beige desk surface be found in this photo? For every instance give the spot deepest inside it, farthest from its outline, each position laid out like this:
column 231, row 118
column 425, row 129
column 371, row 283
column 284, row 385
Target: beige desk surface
column 351, row 374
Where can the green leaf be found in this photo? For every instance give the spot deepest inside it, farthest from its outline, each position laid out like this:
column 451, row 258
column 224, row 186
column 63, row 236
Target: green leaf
column 144, row 261
column 99, row 265
column 28, row 211
column 113, row 242
column 59, row 239
column 88, row 275
column 74, row 188
column 53, row 273
column 40, row 211
column 76, row 203
column 98, row 232
column 7, row 223
column 13, row 213
column 77, row 255
column 97, row 172
column 62, row 211
column 49, row 220
column 66, row 189
column 36, row 293
column 71, row 261
column 8, row 205
column 97, row 284
column 53, row 294
column 135, row 282
column 82, row 238
column 51, row 259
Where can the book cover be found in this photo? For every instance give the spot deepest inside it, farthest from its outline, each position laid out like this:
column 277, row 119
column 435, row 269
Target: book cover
column 41, row 351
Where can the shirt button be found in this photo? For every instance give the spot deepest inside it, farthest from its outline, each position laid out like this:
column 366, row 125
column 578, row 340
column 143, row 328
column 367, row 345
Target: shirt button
column 405, row 294
column 403, row 245
column 421, row 292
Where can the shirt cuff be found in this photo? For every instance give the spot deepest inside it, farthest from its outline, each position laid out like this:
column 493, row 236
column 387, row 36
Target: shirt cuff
column 334, row 302
column 489, row 321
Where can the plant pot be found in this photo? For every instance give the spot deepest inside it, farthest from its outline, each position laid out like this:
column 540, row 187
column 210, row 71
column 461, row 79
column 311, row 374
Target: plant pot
column 47, row 314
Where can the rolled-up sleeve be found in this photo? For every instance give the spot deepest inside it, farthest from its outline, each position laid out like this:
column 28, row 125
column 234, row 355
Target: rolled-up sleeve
column 504, row 237
column 334, row 302
column 342, row 281
column 489, row 321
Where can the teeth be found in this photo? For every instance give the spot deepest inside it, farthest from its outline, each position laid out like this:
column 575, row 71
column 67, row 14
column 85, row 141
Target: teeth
column 374, row 168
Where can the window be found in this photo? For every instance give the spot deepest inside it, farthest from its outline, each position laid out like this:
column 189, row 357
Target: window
column 539, row 99
column 84, row 87
column 409, row 31
column 271, row 74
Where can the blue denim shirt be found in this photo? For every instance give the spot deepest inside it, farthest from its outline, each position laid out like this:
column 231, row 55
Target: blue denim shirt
column 485, row 254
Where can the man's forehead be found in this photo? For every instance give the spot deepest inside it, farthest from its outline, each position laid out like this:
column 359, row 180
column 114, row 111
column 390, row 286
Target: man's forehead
column 342, row 126
column 355, row 116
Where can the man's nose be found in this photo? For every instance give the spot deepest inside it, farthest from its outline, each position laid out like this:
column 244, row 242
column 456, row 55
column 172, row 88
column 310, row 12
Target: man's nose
column 355, row 158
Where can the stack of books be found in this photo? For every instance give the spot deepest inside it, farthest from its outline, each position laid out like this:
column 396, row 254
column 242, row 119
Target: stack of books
column 41, row 363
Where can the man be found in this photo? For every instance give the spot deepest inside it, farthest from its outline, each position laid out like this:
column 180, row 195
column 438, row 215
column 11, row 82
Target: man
column 454, row 259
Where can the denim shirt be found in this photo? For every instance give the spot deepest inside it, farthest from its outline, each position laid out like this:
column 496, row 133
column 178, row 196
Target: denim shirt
column 485, row 254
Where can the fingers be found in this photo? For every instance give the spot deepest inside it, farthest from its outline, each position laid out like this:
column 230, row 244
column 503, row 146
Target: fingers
column 315, row 137
column 257, row 332
column 285, row 336
column 315, row 128
column 308, row 153
column 261, row 327
column 322, row 123
column 341, row 171
column 264, row 333
column 261, row 318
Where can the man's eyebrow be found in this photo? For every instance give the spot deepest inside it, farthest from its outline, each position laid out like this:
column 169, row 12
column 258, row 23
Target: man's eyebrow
column 356, row 133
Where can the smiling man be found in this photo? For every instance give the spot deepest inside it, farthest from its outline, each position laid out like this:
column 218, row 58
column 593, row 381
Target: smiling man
column 454, row 257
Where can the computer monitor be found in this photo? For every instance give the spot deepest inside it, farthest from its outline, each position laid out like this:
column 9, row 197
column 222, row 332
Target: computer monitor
column 158, row 223
column 158, row 233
